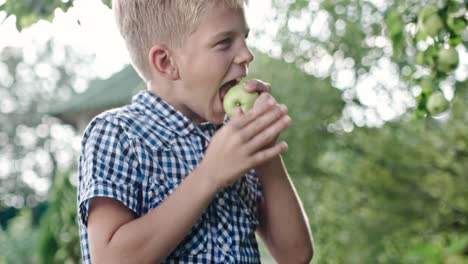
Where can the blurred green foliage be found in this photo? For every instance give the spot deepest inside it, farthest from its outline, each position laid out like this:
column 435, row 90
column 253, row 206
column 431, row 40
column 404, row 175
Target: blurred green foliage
column 54, row 239
column 420, row 37
column 34, row 146
column 58, row 238
column 395, row 194
column 18, row 240
column 28, row 12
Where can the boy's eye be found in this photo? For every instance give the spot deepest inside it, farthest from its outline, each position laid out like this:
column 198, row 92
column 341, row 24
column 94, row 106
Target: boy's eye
column 225, row 42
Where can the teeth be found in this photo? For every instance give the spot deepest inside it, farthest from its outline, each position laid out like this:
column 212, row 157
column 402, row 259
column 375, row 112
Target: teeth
column 239, row 79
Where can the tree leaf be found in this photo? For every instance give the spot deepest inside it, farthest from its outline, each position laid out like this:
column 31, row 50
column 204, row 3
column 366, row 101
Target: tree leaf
column 107, row 3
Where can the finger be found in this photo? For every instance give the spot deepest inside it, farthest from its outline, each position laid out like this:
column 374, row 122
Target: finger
column 268, row 153
column 266, row 136
column 256, row 85
column 236, row 118
column 264, row 121
column 241, row 121
column 264, row 98
column 238, row 111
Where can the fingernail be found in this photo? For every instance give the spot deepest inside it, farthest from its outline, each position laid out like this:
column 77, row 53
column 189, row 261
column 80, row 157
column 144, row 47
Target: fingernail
column 284, row 108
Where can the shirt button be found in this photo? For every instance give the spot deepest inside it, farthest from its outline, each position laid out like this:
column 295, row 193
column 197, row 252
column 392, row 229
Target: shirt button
column 226, row 248
column 221, row 202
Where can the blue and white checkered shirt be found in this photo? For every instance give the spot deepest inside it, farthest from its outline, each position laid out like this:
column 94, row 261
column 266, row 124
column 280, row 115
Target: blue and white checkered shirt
column 139, row 154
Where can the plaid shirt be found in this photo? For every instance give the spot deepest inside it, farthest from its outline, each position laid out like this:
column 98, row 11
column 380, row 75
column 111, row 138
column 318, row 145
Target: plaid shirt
column 139, row 154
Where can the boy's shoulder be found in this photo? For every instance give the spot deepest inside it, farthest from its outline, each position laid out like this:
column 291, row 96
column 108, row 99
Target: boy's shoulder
column 130, row 122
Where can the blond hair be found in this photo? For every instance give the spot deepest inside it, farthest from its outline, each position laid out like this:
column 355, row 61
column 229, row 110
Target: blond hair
column 142, row 23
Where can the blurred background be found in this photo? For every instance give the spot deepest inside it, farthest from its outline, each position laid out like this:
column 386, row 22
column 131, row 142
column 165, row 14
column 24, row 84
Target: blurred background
column 377, row 91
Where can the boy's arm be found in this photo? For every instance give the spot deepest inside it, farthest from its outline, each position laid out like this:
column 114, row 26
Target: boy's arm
column 116, row 236
column 283, row 225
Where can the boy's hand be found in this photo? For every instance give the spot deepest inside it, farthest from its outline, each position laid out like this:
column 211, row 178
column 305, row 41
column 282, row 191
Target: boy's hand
column 264, row 89
column 246, row 141
column 258, row 86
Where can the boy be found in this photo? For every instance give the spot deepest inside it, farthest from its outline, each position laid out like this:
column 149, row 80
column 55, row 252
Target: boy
column 164, row 179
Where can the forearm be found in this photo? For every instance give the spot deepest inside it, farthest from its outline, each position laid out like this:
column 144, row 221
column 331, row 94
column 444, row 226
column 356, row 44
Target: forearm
column 284, row 224
column 152, row 237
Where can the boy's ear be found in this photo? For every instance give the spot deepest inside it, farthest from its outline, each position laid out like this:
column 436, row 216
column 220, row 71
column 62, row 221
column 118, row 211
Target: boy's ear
column 163, row 63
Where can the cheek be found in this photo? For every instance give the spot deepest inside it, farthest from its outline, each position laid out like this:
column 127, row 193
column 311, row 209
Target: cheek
column 197, row 70
column 217, row 63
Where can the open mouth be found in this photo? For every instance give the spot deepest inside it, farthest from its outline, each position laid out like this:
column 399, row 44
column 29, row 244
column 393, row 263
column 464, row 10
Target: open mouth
column 225, row 87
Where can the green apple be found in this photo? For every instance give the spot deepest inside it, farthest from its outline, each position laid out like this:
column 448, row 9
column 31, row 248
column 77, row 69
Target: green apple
column 237, row 97
column 433, row 25
column 437, row 103
column 395, row 23
column 427, row 11
column 448, row 59
column 429, row 22
column 426, row 83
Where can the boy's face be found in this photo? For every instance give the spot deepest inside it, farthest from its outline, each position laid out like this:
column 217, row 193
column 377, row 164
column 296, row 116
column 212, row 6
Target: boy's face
column 215, row 54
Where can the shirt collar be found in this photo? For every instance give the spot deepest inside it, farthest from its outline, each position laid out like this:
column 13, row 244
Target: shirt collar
column 172, row 119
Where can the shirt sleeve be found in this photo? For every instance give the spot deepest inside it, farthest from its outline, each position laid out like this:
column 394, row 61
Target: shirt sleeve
column 258, row 189
column 108, row 167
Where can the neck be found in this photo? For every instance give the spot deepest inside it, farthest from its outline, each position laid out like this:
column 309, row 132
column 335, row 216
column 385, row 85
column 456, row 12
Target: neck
column 169, row 92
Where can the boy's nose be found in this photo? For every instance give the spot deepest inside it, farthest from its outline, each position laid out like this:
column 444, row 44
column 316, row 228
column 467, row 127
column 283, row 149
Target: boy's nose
column 245, row 56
